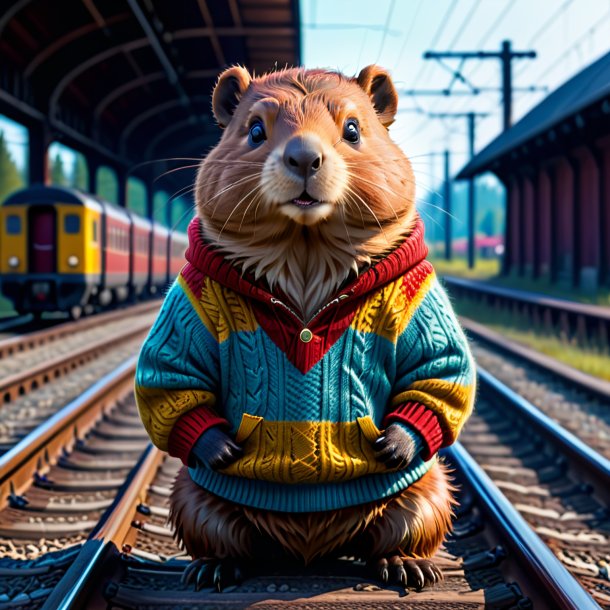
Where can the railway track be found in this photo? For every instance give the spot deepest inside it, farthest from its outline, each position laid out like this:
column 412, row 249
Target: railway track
column 51, row 354
column 579, row 402
column 492, row 560
column 16, row 344
column 10, row 325
column 84, row 503
column 580, row 322
column 57, row 483
column 557, row 482
column 35, row 394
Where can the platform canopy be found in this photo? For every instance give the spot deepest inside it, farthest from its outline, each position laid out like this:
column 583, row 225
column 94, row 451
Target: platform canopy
column 571, row 115
column 130, row 81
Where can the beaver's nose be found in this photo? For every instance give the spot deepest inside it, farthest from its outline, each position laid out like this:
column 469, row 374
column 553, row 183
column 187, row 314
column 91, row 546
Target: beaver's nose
column 303, row 156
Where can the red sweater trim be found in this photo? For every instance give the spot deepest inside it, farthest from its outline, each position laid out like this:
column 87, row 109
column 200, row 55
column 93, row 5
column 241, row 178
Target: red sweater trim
column 421, row 419
column 188, row 428
column 282, row 327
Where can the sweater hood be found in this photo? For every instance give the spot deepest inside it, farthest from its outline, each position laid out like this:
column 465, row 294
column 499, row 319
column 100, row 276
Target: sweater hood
column 210, row 261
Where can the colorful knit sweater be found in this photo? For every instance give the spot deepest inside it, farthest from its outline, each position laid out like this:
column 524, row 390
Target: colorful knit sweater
column 306, row 401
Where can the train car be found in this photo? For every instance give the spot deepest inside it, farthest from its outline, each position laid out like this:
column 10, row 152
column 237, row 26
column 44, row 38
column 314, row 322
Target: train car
column 116, row 261
column 64, row 250
column 159, row 259
column 178, row 243
column 51, row 249
column 141, row 234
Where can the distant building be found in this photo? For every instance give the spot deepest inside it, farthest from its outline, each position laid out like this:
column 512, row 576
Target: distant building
column 555, row 165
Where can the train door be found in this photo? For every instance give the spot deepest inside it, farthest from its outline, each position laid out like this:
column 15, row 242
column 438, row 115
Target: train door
column 42, row 223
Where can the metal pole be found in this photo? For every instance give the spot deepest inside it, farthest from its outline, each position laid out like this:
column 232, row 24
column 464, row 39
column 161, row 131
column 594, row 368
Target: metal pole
column 447, row 197
column 471, row 198
column 507, row 84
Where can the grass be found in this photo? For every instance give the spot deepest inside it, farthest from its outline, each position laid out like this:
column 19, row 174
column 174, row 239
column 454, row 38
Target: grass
column 593, row 360
column 485, row 269
column 6, row 308
column 489, row 270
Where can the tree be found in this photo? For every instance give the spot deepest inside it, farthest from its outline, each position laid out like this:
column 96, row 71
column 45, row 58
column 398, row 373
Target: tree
column 58, row 175
column 10, row 178
column 136, row 196
column 80, row 173
column 107, row 184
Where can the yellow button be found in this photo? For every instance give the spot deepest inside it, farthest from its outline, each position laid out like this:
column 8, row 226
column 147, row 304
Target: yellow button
column 306, row 335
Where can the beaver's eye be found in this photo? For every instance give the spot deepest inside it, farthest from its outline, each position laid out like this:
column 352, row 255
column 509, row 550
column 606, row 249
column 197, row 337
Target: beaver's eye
column 257, row 134
column 351, row 131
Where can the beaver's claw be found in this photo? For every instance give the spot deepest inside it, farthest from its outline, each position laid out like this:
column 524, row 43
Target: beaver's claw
column 216, row 449
column 407, row 572
column 219, row 573
column 396, row 448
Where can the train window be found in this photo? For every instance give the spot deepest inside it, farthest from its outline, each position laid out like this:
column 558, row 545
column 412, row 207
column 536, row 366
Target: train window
column 13, row 224
column 95, row 231
column 71, row 224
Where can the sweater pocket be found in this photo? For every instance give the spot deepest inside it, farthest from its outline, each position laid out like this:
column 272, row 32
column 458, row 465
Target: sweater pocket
column 306, row 452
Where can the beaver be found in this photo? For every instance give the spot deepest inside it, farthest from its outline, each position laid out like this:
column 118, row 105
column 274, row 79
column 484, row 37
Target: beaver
column 306, row 365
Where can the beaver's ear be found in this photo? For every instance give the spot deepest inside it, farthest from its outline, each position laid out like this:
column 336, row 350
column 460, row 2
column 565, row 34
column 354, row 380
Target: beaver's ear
column 231, row 85
column 378, row 85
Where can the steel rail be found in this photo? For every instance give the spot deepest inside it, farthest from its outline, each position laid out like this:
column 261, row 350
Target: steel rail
column 107, row 539
column 7, row 324
column 27, row 380
column 42, row 447
column 592, row 385
column 594, row 312
column 593, row 467
column 558, row 584
column 21, row 343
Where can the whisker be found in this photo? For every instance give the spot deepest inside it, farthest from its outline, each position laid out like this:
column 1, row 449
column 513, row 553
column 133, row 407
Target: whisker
column 437, row 207
column 235, row 208
column 179, row 193
column 345, row 227
column 382, row 188
column 176, row 169
column 228, row 188
column 189, row 209
column 232, row 185
column 258, row 196
column 144, row 163
column 370, row 210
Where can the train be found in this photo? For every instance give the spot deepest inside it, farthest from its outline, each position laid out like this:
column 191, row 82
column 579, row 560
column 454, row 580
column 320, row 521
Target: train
column 65, row 250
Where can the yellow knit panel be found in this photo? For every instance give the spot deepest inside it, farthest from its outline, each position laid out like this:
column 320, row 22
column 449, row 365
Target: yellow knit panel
column 388, row 311
column 208, row 315
column 160, row 408
column 226, row 310
column 451, row 402
column 306, row 452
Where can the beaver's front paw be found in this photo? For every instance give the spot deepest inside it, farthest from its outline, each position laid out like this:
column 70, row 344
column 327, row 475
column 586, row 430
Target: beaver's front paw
column 217, row 572
column 216, row 449
column 397, row 446
column 406, row 571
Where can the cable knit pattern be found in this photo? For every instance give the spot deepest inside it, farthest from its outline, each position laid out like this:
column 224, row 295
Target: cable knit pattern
column 306, row 400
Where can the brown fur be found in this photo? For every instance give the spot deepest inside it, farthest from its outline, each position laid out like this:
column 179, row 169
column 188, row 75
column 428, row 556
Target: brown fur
column 366, row 207
column 243, row 193
column 414, row 521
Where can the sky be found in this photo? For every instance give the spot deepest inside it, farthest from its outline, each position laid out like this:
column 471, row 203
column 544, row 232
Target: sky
column 348, row 35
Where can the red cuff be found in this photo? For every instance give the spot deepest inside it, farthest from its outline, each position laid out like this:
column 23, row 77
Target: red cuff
column 188, row 428
column 421, row 419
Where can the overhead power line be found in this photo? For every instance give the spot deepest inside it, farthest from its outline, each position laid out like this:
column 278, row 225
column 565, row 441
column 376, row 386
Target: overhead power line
column 506, row 56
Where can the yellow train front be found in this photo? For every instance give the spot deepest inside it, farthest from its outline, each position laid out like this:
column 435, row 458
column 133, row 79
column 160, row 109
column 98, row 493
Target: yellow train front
column 64, row 250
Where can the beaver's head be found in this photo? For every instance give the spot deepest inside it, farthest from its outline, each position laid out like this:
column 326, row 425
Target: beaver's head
column 305, row 185
column 301, row 146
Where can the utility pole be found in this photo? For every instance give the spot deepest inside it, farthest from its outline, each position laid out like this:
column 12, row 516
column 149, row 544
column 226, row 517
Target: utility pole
column 471, row 117
column 447, row 197
column 506, row 56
